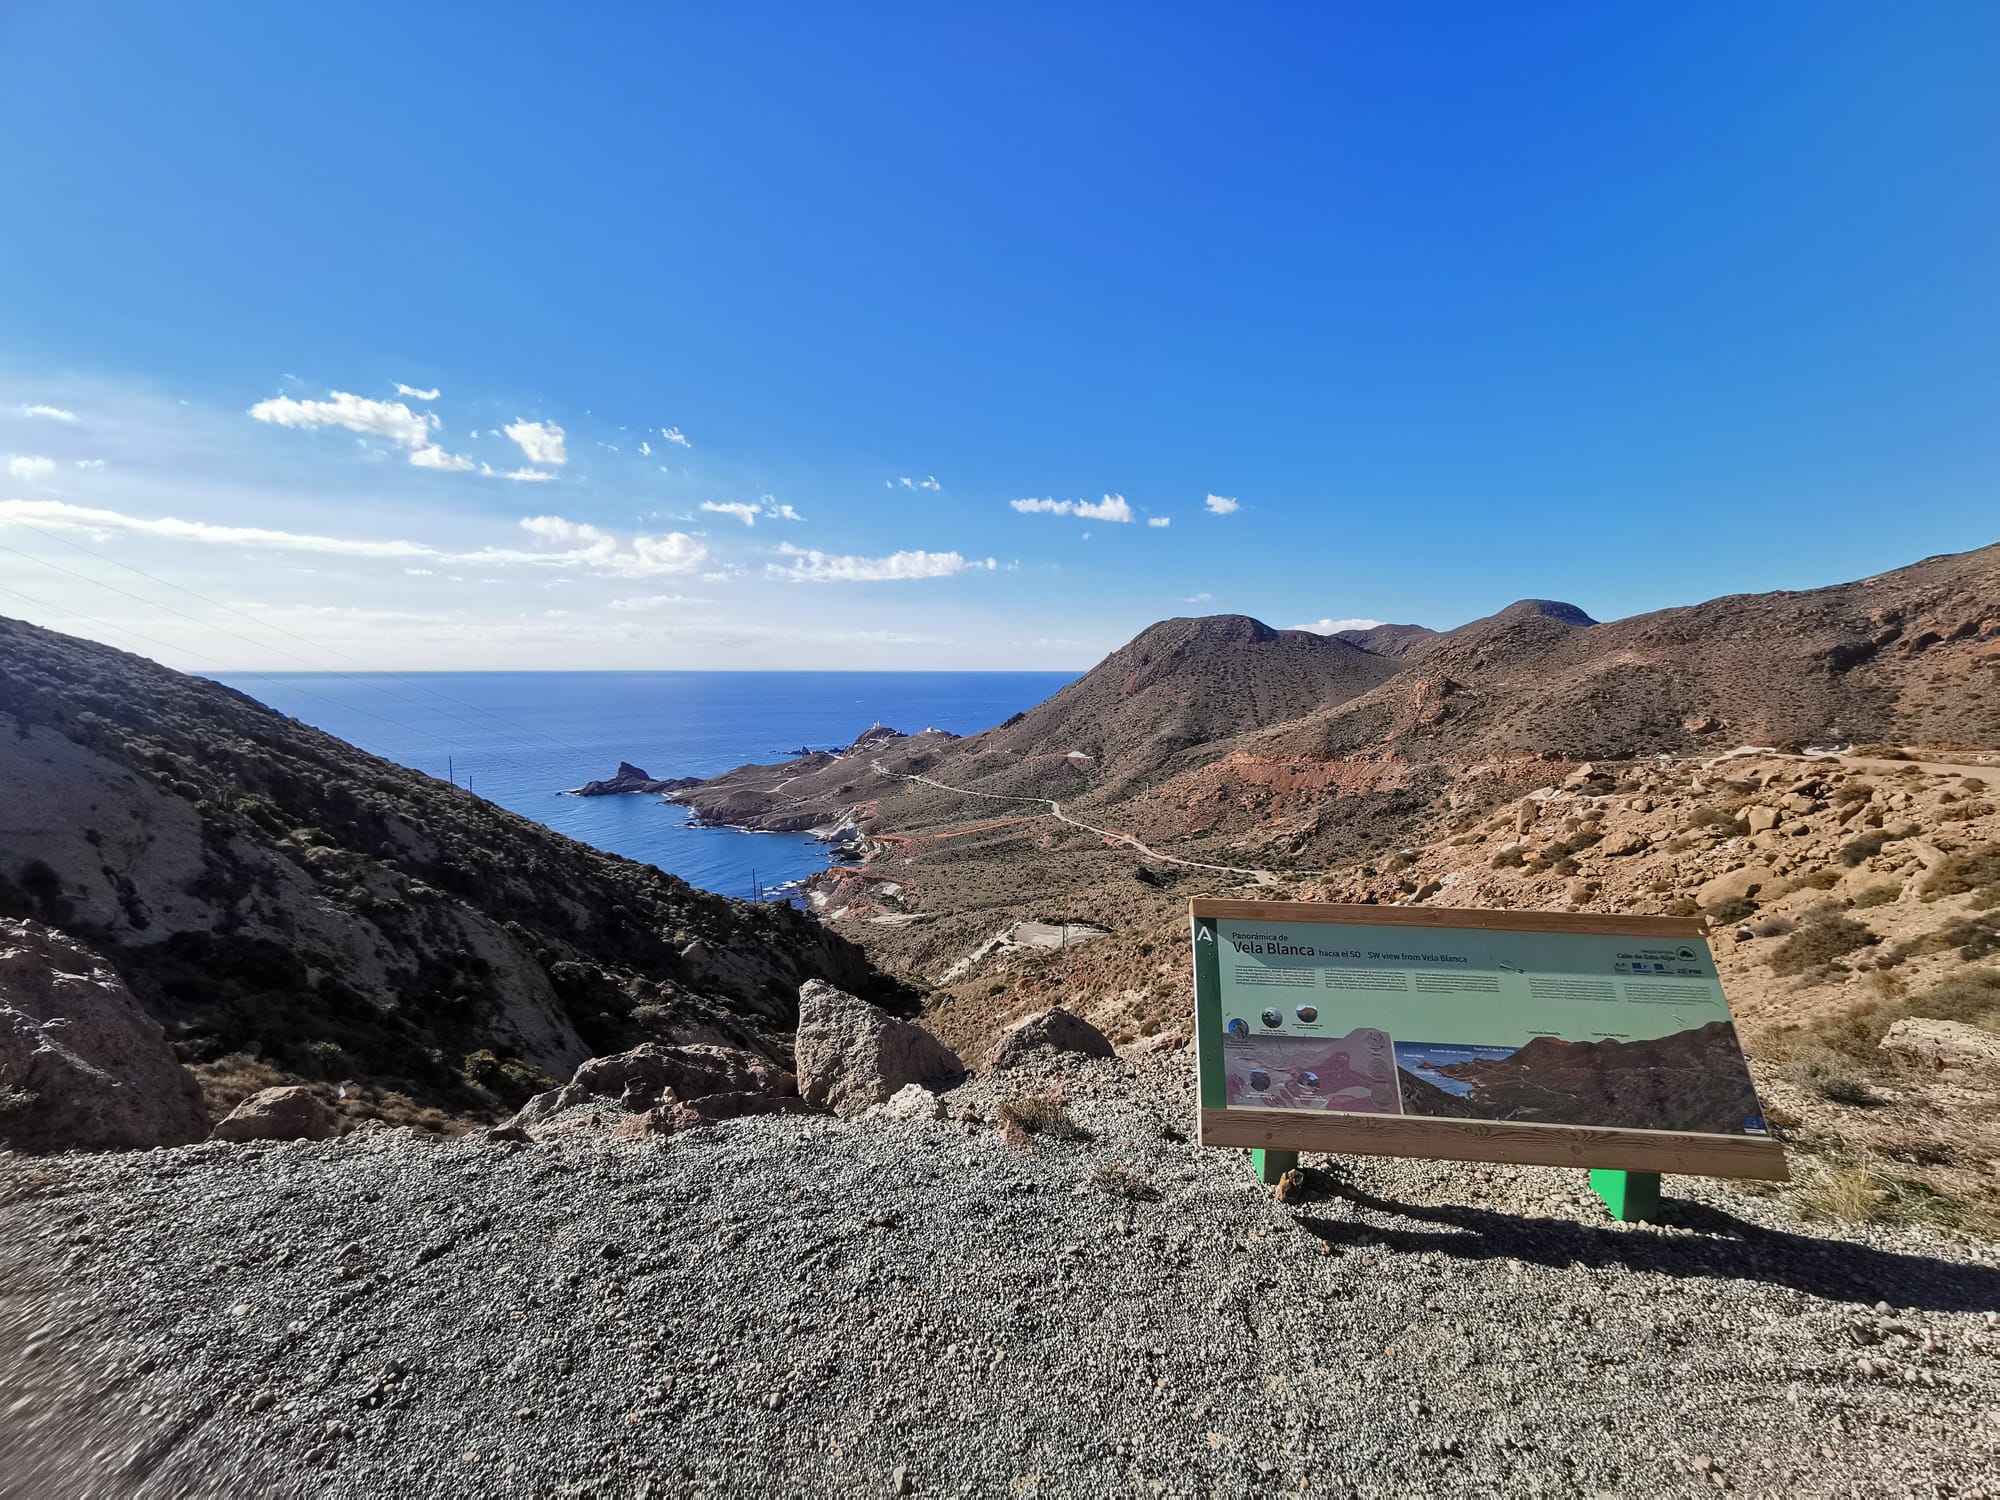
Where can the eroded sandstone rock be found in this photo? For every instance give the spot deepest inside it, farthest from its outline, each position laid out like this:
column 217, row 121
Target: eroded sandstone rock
column 82, row 1067
column 852, row 1056
column 1054, row 1030
column 291, row 1113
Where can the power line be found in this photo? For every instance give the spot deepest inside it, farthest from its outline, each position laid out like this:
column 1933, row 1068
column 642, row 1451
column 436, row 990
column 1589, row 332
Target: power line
column 150, row 640
column 532, row 735
column 519, row 763
column 410, row 729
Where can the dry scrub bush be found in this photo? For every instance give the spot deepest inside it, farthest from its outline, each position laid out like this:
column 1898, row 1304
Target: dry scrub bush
column 1823, row 935
column 1119, row 1180
column 1976, row 871
column 1965, row 812
column 1877, row 893
column 1045, row 1112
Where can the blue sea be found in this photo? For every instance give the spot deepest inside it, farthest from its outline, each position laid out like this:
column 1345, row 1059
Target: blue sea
column 523, row 738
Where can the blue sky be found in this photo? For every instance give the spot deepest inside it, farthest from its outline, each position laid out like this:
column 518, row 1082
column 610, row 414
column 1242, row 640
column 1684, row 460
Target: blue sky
column 1452, row 304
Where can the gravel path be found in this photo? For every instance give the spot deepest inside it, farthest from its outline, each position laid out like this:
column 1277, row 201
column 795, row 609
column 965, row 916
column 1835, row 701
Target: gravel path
column 787, row 1306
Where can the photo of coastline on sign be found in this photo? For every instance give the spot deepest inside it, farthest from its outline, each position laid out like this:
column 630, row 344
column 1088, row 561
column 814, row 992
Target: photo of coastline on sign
column 1527, row 1027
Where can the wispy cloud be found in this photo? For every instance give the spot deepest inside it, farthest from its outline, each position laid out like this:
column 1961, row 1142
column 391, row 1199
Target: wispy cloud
column 384, row 419
column 1222, row 505
column 542, row 442
column 1201, row 598
column 414, row 394
column 566, row 544
column 673, row 435
column 1328, row 627
column 747, row 513
column 90, row 463
column 929, row 482
column 53, row 413
column 30, row 468
column 431, row 456
column 807, row 566
column 519, row 476
column 1110, row 508
column 1159, row 523
column 645, row 448
column 648, row 603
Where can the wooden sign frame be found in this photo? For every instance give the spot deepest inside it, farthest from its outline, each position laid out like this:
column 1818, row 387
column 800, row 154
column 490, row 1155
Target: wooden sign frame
column 1551, row 1145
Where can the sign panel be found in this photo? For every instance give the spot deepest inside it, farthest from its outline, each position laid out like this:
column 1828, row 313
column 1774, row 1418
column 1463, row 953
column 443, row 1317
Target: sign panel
column 1575, row 1039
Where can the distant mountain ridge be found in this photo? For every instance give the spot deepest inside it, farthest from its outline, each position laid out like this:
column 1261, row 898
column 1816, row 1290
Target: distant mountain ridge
column 1193, row 707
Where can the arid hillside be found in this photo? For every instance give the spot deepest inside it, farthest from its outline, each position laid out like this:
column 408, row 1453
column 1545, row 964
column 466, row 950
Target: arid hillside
column 274, row 895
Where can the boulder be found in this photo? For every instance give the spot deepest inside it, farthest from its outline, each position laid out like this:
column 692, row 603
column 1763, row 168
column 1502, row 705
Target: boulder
column 1631, row 841
column 1944, row 1047
column 1701, row 723
column 653, row 1078
column 852, row 1056
column 912, row 1102
column 1746, row 880
column 82, row 1067
column 1760, row 819
column 676, row 1115
column 1054, row 1030
column 291, row 1113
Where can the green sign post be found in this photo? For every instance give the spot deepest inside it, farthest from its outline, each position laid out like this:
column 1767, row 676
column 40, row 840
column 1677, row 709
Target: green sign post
column 1549, row 1038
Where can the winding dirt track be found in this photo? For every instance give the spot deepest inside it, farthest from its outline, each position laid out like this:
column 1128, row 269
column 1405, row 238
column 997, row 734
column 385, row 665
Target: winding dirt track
column 1055, row 810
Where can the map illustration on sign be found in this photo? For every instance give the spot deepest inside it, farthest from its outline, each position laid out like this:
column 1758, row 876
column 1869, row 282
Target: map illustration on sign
column 1550, row 1027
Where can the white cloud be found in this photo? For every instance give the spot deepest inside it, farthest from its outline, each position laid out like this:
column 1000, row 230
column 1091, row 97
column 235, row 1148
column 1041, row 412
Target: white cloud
column 673, row 435
column 1222, row 505
column 1110, row 508
column 414, row 394
column 742, row 510
column 780, row 512
column 1201, row 598
column 420, row 572
column 580, row 545
column 519, row 476
column 541, row 441
column 821, row 567
column 90, row 463
column 67, row 517
column 645, row 448
column 384, row 419
column 30, row 469
column 53, row 413
column 431, row 456
column 1159, row 523
column 647, row 603
column 1328, row 627
column 929, row 484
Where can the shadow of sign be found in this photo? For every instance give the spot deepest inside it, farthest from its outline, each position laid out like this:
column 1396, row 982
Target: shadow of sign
column 1728, row 1247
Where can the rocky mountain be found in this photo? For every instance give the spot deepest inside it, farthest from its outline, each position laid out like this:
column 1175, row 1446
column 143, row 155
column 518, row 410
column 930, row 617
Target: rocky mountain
column 1389, row 640
column 265, row 888
column 1904, row 655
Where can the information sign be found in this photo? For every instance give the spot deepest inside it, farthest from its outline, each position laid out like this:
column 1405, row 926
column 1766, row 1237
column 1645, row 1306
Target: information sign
column 1564, row 1039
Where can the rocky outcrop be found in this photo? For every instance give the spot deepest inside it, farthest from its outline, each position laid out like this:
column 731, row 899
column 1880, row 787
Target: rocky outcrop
column 291, row 1113
column 82, row 1067
column 659, row 1090
column 1944, row 1047
column 1054, row 1030
column 632, row 779
column 852, row 1057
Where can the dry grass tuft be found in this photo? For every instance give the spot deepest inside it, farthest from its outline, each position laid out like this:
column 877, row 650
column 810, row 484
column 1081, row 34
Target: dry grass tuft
column 1119, row 1180
column 1045, row 1112
column 1849, row 1194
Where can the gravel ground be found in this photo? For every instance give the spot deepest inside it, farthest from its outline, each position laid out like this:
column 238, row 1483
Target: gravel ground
column 802, row 1306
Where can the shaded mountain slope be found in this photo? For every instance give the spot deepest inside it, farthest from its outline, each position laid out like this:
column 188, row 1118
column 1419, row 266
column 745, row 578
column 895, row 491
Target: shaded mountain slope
column 263, row 886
